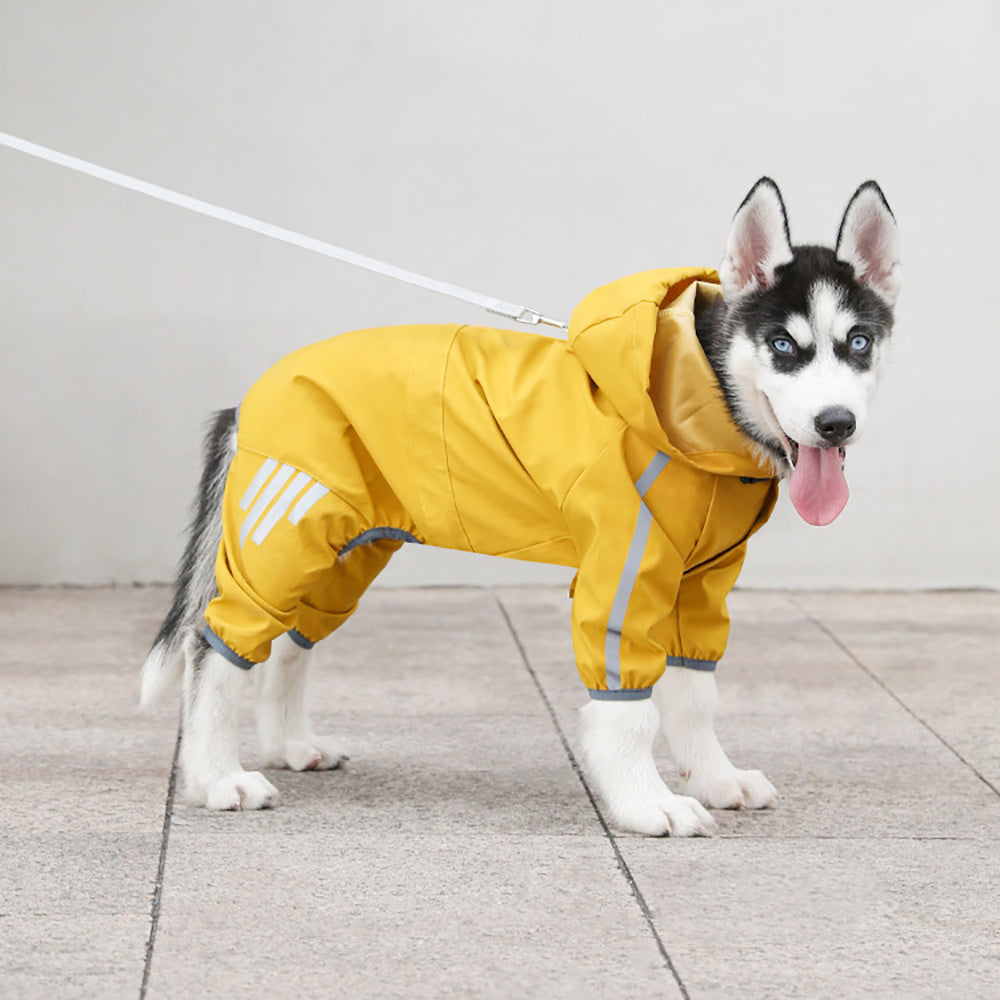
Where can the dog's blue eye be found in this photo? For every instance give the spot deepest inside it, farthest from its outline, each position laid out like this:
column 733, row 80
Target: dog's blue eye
column 783, row 345
column 860, row 343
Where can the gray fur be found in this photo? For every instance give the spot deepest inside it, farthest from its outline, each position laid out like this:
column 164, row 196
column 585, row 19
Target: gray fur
column 195, row 585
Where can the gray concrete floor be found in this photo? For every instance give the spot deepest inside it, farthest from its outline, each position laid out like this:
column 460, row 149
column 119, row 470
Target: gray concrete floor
column 460, row 854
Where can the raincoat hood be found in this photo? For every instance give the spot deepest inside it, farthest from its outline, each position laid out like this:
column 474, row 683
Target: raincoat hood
column 636, row 338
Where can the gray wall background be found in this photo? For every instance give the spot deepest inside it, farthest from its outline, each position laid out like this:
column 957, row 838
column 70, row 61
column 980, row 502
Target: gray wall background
column 529, row 150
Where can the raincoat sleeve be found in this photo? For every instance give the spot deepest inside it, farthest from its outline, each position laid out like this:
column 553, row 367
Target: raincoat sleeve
column 699, row 620
column 627, row 586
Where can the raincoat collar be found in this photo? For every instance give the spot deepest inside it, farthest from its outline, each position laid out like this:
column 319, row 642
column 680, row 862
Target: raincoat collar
column 636, row 338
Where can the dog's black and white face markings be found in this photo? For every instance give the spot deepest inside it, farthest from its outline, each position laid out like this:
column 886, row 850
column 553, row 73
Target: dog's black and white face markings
column 802, row 342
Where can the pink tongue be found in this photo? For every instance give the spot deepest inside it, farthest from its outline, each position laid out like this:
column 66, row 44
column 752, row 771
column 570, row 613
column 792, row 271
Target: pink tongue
column 818, row 488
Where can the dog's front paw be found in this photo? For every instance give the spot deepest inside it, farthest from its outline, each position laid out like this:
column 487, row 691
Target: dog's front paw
column 662, row 815
column 731, row 789
column 241, row 791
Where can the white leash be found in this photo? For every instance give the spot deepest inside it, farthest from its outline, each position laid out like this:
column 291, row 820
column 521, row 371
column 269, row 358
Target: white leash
column 519, row 313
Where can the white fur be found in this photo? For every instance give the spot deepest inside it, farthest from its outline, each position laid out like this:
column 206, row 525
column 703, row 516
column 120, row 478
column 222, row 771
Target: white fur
column 212, row 773
column 618, row 751
column 801, row 330
column 829, row 319
column 210, row 762
column 286, row 738
column 687, row 701
column 161, row 675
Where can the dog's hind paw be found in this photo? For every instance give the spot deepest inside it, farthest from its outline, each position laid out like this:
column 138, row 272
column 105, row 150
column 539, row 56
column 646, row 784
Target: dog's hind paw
column 732, row 789
column 242, row 791
column 311, row 753
column 318, row 753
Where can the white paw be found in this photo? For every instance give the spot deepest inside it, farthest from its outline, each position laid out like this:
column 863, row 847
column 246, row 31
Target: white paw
column 314, row 753
column 617, row 745
column 242, row 790
column 731, row 789
column 662, row 814
column 318, row 753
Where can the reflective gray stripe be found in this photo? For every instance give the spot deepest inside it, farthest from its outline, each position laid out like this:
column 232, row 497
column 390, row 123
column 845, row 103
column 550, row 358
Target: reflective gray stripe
column 220, row 647
column 630, row 573
column 374, row 534
column 623, row 694
column 654, row 468
column 690, row 663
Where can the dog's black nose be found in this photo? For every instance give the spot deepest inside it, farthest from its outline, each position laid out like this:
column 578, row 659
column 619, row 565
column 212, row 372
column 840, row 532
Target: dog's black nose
column 835, row 424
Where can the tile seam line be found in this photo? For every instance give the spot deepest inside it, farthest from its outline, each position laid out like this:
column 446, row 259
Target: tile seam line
column 578, row 770
column 835, row 639
column 161, row 867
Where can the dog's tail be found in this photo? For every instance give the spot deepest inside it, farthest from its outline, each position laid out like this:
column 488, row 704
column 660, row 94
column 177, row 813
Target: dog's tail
column 195, row 587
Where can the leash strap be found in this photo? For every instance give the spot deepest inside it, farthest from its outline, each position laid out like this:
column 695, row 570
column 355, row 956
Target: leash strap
column 511, row 310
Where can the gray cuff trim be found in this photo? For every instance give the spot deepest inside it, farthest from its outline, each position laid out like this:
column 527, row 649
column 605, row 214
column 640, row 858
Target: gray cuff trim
column 299, row 639
column 220, row 647
column 374, row 534
column 691, row 664
column 622, row 694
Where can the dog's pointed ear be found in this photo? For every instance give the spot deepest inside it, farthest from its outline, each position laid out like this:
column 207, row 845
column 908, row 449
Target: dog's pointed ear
column 758, row 241
column 868, row 240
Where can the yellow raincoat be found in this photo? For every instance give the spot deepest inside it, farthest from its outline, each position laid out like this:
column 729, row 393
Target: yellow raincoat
column 613, row 453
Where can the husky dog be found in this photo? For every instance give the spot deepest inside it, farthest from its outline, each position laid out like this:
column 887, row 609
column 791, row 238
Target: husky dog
column 800, row 341
column 796, row 342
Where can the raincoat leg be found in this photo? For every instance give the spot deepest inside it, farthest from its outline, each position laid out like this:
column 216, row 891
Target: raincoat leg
column 335, row 596
column 278, row 569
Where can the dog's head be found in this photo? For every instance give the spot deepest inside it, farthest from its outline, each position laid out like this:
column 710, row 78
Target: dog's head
column 805, row 335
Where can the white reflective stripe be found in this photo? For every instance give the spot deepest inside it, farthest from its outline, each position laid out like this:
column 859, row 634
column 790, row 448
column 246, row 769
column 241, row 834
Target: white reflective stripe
column 280, row 508
column 257, row 483
column 314, row 494
column 271, row 491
